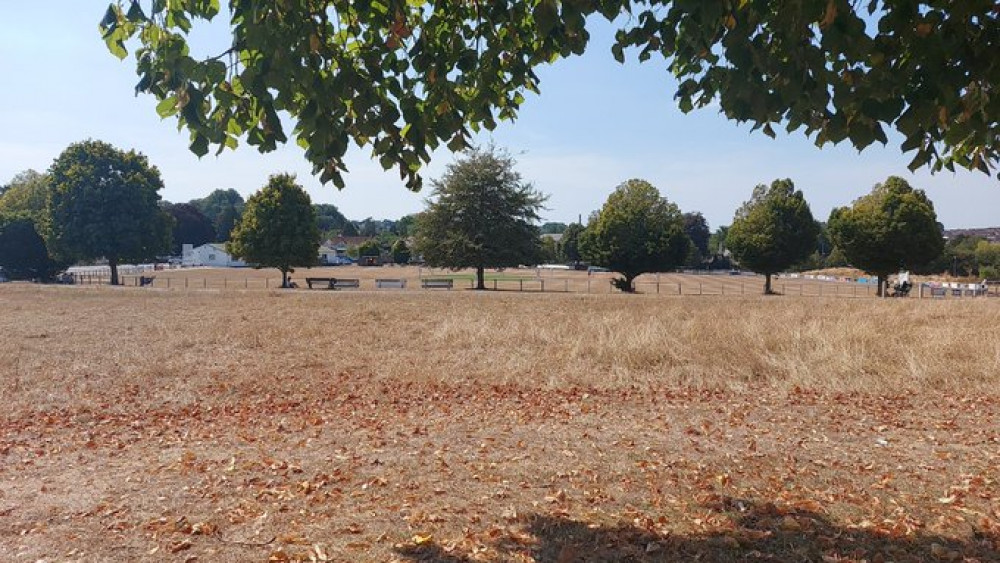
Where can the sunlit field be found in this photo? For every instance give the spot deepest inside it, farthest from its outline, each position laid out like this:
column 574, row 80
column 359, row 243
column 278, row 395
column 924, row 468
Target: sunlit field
column 227, row 424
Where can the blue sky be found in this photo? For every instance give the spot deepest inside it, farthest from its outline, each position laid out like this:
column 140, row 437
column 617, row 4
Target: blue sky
column 595, row 124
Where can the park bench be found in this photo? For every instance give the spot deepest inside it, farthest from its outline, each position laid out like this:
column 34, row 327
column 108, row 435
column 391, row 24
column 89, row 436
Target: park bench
column 146, row 280
column 937, row 292
column 346, row 284
column 324, row 283
column 390, row 284
column 429, row 283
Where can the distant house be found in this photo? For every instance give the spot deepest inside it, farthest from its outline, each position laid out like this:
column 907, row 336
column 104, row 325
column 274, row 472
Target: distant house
column 331, row 256
column 340, row 244
column 211, row 254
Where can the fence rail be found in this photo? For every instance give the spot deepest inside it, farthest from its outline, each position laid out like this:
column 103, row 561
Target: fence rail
column 554, row 284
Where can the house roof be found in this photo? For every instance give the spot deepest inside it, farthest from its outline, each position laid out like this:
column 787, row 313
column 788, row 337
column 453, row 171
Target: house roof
column 347, row 241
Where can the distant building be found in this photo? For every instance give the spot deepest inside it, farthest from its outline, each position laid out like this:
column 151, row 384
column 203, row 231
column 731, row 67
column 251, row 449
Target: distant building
column 211, row 254
column 333, row 256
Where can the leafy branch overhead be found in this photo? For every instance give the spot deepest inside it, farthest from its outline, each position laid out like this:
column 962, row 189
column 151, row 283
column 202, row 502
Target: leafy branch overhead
column 403, row 77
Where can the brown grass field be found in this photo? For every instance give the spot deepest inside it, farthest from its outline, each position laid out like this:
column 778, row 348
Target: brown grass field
column 276, row 425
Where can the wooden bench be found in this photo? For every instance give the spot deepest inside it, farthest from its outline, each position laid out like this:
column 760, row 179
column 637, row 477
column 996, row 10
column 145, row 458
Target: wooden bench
column 390, row 284
column 937, row 292
column 429, row 283
column 346, row 283
column 325, row 283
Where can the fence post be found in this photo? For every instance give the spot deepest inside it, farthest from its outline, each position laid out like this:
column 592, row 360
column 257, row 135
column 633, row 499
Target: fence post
column 543, row 285
column 267, row 283
column 494, row 284
column 168, row 283
column 225, row 283
column 588, row 284
column 246, row 283
column 700, row 292
column 566, row 284
column 204, row 283
column 679, row 292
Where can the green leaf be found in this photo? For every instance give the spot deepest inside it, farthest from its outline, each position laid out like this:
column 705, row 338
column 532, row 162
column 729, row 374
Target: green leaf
column 167, row 107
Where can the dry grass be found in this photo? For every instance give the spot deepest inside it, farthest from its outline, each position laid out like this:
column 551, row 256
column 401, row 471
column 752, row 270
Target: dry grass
column 64, row 344
column 459, row 426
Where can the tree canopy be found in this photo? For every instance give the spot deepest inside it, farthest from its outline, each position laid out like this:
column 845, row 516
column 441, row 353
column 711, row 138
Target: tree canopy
column 26, row 194
column 190, row 226
column 104, row 203
column 696, row 228
column 636, row 231
column 481, row 215
column 773, row 230
column 278, row 228
column 223, row 209
column 403, row 77
column 892, row 228
column 23, row 252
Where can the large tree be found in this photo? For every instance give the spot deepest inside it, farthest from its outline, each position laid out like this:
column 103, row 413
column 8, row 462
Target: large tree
column 892, row 228
column 481, row 215
column 330, row 220
column 637, row 231
column 696, row 228
column 569, row 244
column 278, row 228
column 773, row 230
column 23, row 252
column 406, row 76
column 190, row 226
column 223, row 209
column 26, row 194
column 104, row 203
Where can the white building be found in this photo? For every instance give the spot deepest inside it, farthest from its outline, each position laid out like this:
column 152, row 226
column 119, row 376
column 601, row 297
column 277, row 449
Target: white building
column 211, row 254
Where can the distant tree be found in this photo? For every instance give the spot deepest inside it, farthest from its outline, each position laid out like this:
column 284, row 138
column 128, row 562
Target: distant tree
column 223, row 209
column 696, row 228
column 553, row 228
column 892, row 228
column 26, row 194
column 988, row 256
column 278, row 228
column 400, row 252
column 569, row 244
column 190, row 226
column 959, row 257
column 23, row 253
column 370, row 247
column 369, row 227
column 330, row 220
column 637, row 231
column 405, row 225
column 549, row 250
column 104, row 204
column 481, row 215
column 773, row 230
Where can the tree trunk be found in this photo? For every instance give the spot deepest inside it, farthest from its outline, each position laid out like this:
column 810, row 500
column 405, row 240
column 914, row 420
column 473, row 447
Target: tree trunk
column 767, row 285
column 113, row 264
column 880, row 292
column 480, row 277
column 284, row 279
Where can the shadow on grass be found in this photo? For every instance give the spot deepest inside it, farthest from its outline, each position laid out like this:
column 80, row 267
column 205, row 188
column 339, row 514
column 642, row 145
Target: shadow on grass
column 761, row 532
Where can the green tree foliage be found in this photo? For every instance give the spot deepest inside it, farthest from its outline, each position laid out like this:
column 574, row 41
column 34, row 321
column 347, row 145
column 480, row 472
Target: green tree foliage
column 569, row 244
column 549, row 251
column 481, row 215
column 278, row 228
column 696, row 228
column 637, row 231
column 988, row 258
column 892, row 228
column 370, row 247
column 26, row 194
column 406, row 76
column 190, row 226
column 553, row 228
column 773, row 230
column 405, row 225
column 23, row 253
column 400, row 252
column 330, row 221
column 223, row 209
column 104, row 203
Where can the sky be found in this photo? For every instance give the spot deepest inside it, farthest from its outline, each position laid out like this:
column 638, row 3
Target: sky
column 596, row 124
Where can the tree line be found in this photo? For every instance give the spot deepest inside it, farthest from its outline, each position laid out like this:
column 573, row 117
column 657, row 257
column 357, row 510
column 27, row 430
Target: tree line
column 96, row 201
